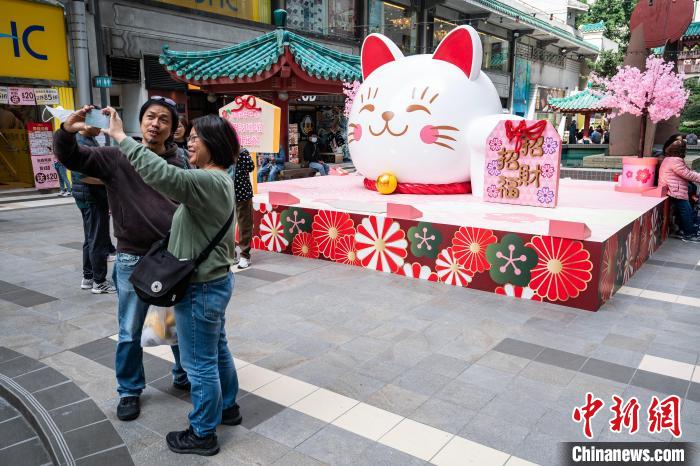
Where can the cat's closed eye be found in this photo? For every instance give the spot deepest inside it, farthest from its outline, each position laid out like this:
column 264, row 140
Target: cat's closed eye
column 416, row 107
column 369, row 107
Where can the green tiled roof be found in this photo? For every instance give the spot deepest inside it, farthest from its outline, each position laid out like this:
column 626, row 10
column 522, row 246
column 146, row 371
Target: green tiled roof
column 254, row 57
column 513, row 12
column 593, row 27
column 693, row 29
column 584, row 101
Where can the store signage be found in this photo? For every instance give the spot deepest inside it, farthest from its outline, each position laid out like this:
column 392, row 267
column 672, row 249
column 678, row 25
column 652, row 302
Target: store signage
column 33, row 41
column 257, row 123
column 308, row 98
column 3, row 96
column 21, row 96
column 522, row 163
column 46, row 96
column 40, row 147
column 103, row 81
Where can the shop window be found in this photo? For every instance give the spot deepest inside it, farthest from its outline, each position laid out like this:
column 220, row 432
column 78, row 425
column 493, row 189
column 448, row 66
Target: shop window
column 440, row 29
column 326, row 17
column 495, row 53
column 396, row 22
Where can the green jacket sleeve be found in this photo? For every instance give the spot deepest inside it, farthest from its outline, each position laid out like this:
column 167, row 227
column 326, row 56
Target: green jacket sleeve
column 187, row 187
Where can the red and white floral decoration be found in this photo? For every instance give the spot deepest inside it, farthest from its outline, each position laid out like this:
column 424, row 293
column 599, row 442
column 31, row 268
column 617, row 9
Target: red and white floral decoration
column 563, row 269
column 328, row 228
column 469, row 246
column 521, row 292
column 346, row 251
column 271, row 232
column 381, row 244
column 304, row 245
column 449, row 270
column 416, row 270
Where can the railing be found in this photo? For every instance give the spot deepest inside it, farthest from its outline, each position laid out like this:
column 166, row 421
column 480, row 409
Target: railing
column 531, row 53
column 688, row 54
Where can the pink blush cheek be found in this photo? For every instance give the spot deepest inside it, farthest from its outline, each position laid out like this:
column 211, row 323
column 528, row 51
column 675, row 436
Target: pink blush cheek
column 357, row 132
column 428, row 134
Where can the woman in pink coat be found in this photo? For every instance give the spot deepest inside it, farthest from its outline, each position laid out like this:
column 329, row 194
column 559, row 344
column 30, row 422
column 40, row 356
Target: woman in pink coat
column 675, row 175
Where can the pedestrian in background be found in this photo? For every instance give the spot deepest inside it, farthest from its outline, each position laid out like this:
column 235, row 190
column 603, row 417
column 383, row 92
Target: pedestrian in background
column 272, row 166
column 675, row 175
column 312, row 155
column 64, row 183
column 244, row 204
column 91, row 198
column 180, row 139
column 141, row 217
column 207, row 204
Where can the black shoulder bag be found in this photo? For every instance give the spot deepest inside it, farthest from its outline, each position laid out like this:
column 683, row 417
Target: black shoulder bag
column 161, row 279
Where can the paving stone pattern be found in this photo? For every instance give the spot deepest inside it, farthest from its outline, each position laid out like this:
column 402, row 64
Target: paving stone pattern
column 496, row 371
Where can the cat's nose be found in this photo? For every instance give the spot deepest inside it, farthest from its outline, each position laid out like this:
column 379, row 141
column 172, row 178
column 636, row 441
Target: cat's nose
column 387, row 116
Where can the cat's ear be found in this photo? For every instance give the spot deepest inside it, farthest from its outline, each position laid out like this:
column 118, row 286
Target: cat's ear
column 462, row 48
column 378, row 50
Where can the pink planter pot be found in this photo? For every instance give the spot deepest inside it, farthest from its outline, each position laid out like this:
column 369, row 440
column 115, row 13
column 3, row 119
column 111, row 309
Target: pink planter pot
column 637, row 174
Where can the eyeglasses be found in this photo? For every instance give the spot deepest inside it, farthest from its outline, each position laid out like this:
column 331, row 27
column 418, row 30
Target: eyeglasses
column 168, row 101
column 193, row 138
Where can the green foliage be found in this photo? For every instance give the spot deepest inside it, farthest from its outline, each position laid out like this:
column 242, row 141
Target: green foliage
column 616, row 15
column 607, row 63
column 690, row 118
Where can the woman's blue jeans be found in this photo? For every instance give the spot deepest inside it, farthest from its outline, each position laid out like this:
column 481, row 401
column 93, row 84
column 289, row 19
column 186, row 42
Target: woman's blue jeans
column 320, row 167
column 685, row 216
column 204, row 353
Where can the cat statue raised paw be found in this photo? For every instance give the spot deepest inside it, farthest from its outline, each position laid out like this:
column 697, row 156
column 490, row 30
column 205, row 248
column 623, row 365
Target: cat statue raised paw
column 424, row 119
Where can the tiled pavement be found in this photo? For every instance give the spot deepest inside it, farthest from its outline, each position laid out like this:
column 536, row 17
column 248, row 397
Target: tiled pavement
column 344, row 366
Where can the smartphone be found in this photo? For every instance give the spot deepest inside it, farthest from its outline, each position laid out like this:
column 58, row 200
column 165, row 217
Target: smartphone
column 97, row 119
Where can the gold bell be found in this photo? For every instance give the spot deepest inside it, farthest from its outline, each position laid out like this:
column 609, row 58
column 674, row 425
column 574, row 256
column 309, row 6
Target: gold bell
column 386, row 183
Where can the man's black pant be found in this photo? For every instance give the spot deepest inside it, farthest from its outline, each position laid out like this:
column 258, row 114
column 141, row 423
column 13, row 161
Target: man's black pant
column 96, row 229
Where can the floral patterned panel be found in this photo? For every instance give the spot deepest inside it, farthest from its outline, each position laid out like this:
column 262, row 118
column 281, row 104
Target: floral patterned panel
column 579, row 274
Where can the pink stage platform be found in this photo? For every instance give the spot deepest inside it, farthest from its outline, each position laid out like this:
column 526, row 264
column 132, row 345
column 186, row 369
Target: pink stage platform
column 577, row 254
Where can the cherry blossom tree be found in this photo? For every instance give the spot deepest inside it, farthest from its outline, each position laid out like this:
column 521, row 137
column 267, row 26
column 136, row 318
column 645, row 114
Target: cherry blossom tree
column 350, row 91
column 657, row 93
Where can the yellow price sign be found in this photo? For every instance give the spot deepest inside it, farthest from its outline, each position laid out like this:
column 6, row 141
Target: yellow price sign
column 33, row 41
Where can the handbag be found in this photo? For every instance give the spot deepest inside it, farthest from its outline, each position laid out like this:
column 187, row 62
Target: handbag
column 161, row 279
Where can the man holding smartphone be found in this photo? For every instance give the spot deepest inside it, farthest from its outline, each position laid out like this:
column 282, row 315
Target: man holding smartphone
column 141, row 217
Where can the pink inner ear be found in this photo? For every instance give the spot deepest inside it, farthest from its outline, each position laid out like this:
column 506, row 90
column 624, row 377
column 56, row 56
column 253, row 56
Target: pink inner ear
column 375, row 53
column 457, row 49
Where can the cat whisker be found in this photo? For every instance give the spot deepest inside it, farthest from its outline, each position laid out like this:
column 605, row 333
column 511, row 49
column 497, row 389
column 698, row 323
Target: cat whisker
column 413, row 94
column 422, row 96
column 449, row 138
column 375, row 92
column 449, row 128
column 433, row 98
column 443, row 145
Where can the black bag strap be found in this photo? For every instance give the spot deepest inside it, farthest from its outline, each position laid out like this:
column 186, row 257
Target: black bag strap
column 217, row 239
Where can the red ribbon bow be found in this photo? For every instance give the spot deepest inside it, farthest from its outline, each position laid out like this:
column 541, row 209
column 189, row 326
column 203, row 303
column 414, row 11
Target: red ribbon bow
column 521, row 131
column 249, row 103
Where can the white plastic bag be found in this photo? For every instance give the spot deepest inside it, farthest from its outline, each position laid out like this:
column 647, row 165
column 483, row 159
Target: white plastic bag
column 159, row 327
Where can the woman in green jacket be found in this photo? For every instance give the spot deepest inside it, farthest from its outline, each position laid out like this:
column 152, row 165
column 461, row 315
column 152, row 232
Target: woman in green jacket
column 206, row 198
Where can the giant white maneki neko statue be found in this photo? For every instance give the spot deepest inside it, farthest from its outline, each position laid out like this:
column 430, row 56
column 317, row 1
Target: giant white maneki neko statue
column 419, row 124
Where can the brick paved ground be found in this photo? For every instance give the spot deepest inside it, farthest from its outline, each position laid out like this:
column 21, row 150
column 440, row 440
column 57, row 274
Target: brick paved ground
column 343, row 366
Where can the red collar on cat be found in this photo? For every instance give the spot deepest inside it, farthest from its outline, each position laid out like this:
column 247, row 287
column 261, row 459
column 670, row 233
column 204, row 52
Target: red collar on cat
column 418, row 188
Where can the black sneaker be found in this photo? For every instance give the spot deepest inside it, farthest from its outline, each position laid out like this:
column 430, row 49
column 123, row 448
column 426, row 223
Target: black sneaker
column 129, row 408
column 187, row 442
column 185, row 387
column 232, row 416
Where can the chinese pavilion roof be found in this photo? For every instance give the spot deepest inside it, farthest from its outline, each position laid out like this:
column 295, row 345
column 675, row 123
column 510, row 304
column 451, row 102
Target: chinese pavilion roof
column 693, row 30
column 586, row 101
column 258, row 57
